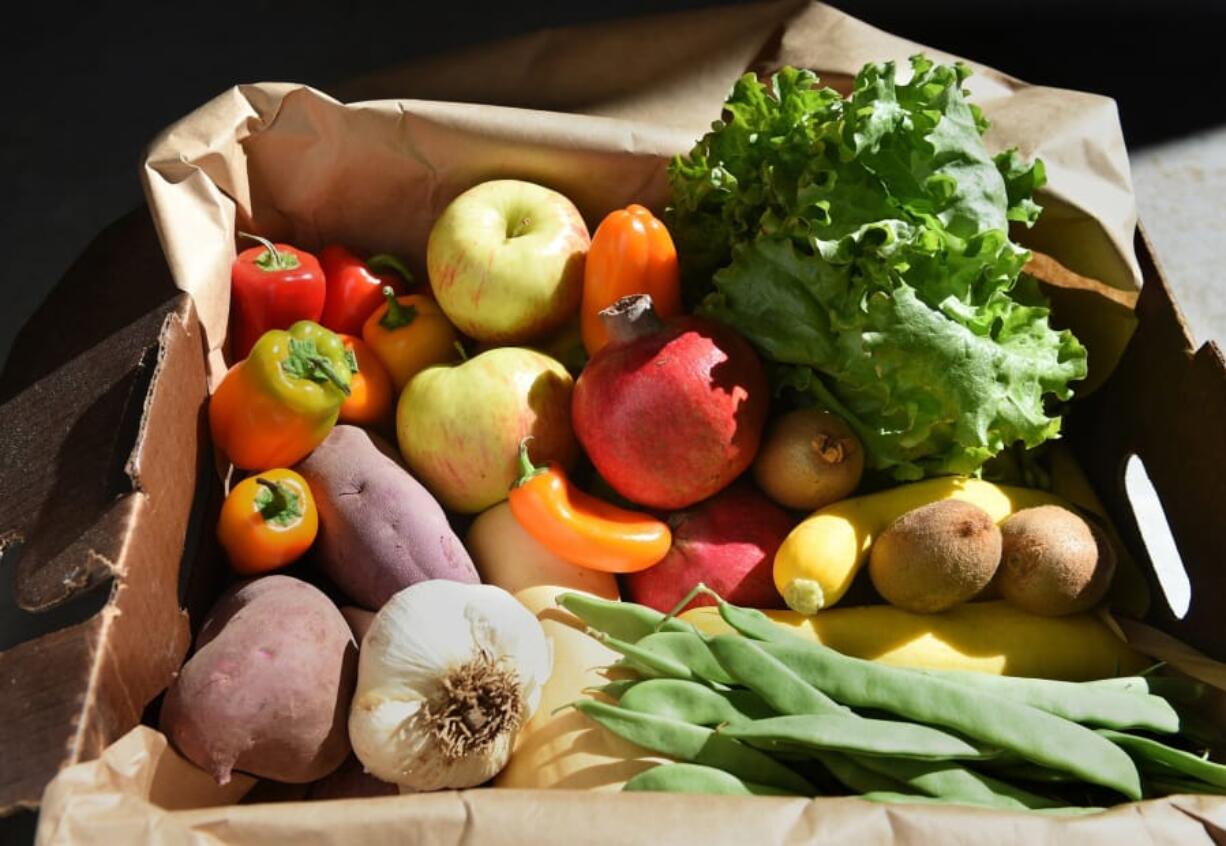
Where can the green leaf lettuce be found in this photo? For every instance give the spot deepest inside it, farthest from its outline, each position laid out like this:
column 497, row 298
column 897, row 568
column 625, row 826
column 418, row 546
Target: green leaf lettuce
column 862, row 246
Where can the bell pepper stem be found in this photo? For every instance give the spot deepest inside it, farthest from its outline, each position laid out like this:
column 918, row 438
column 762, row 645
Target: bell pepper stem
column 526, row 468
column 305, row 361
column 282, row 505
column 397, row 315
column 387, row 261
column 273, row 259
column 463, row 352
column 277, row 489
column 325, row 367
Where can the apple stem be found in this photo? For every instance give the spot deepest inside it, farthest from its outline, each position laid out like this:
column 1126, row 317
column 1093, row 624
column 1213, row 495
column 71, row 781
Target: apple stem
column 631, row 318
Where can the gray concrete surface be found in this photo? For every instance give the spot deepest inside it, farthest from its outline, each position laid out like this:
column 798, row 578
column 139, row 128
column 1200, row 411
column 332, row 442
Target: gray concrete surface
column 1181, row 194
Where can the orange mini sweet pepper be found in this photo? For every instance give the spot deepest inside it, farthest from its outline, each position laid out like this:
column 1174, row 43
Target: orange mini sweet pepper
column 370, row 391
column 268, row 520
column 580, row 528
column 631, row 253
column 409, row 334
column 275, row 406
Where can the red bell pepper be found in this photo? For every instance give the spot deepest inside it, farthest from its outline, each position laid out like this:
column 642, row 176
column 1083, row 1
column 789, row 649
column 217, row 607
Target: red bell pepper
column 272, row 286
column 355, row 287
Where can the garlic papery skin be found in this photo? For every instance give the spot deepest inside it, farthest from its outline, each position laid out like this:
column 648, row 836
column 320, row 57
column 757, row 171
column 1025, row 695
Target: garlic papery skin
column 447, row 674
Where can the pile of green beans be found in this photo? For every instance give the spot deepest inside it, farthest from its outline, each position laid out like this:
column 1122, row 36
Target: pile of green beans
column 764, row 712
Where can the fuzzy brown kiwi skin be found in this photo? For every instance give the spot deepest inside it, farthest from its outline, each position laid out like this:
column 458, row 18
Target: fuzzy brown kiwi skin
column 1053, row 562
column 935, row 556
column 809, row 459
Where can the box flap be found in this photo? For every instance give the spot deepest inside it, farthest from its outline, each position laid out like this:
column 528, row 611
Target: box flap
column 97, row 480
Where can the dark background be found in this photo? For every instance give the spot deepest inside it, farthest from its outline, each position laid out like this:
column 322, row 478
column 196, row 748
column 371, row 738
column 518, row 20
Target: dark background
column 86, row 88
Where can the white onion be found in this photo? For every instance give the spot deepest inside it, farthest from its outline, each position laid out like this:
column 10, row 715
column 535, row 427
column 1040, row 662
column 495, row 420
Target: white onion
column 447, row 674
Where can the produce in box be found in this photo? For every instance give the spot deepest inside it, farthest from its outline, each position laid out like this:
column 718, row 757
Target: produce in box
column 857, row 321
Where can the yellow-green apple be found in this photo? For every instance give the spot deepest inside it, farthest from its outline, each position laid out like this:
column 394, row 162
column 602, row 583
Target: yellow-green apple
column 459, row 427
column 506, row 261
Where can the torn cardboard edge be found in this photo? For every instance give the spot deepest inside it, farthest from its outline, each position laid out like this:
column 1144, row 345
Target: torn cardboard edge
column 72, row 691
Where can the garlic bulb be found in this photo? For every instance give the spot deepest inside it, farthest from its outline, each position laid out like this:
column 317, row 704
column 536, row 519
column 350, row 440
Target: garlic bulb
column 446, row 675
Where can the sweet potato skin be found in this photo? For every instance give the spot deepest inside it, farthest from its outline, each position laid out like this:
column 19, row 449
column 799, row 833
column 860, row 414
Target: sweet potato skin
column 380, row 530
column 267, row 691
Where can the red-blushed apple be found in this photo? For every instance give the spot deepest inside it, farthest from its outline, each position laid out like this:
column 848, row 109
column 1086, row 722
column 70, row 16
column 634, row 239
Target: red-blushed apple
column 459, row 427
column 505, row 261
column 728, row 542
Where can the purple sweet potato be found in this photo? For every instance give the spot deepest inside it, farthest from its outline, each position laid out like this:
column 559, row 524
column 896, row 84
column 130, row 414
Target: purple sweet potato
column 267, row 691
column 359, row 620
column 380, row 530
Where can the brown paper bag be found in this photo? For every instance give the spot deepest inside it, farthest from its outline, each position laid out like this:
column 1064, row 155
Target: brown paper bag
column 565, row 109
column 114, row 800
column 295, row 164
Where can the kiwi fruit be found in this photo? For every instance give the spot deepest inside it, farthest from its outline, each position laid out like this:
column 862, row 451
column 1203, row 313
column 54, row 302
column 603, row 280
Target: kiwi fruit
column 935, row 556
column 809, row 459
column 1053, row 562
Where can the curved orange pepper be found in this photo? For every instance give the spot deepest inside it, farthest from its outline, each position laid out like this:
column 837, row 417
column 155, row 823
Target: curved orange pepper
column 370, row 389
column 631, row 253
column 409, row 334
column 268, row 520
column 580, row 528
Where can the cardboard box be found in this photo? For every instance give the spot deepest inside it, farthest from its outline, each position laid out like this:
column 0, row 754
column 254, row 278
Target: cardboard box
column 100, row 464
column 1161, row 401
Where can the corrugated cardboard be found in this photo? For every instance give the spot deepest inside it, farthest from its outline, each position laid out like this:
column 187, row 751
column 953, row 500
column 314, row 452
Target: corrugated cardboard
column 98, row 470
column 293, row 163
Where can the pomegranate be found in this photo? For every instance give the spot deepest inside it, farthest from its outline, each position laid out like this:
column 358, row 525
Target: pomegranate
column 669, row 413
column 728, row 543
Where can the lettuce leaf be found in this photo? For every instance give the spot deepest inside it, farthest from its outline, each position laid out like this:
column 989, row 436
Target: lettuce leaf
column 862, row 246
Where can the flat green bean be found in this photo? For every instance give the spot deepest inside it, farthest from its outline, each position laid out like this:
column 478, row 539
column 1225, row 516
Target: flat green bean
column 951, row 781
column 682, row 700
column 1081, row 703
column 695, row 744
column 888, row 797
column 856, row 777
column 789, row 694
column 646, row 661
column 1168, row 785
column 749, row 665
column 1026, row 771
column 615, row 689
column 1147, row 751
column 690, row 649
column 752, row 623
column 1174, row 689
column 854, row 734
column 626, row 621
column 748, row 703
column 994, row 720
column 696, row 778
